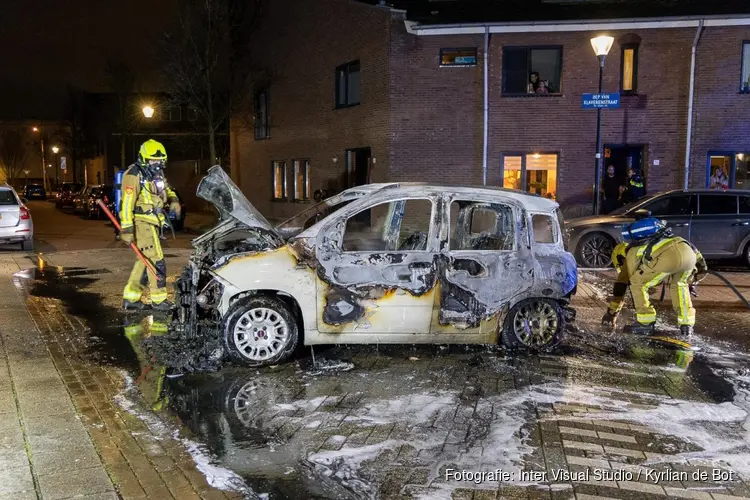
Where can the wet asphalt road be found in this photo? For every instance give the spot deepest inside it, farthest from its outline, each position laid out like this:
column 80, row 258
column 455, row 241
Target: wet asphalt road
column 389, row 421
column 392, row 421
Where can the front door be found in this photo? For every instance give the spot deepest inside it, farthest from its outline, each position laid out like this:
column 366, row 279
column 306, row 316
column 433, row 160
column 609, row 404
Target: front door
column 377, row 272
column 623, row 157
column 484, row 267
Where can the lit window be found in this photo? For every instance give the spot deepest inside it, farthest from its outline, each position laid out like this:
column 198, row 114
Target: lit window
column 458, row 57
column 629, row 70
column 541, row 174
column 279, row 180
column 745, row 84
column 301, row 180
column 512, row 166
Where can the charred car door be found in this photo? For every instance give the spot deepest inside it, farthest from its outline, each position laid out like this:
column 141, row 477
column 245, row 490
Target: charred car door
column 376, row 268
column 487, row 263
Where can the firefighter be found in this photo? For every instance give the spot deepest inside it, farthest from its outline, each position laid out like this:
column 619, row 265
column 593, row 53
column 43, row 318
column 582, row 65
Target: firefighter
column 145, row 194
column 653, row 255
column 153, row 375
column 620, row 287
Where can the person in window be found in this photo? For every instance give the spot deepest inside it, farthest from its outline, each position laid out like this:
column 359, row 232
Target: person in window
column 719, row 180
column 536, row 85
column 611, row 190
column 634, row 189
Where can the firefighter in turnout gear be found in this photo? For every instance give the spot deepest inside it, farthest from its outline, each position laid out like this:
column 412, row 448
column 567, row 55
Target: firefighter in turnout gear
column 620, row 287
column 146, row 197
column 654, row 254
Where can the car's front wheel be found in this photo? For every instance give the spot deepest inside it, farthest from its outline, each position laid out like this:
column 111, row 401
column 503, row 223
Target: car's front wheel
column 260, row 331
column 595, row 250
column 534, row 324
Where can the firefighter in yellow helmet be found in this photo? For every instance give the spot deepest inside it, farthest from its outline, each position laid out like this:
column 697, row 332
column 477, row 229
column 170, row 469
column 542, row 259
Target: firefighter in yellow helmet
column 653, row 255
column 620, row 287
column 147, row 200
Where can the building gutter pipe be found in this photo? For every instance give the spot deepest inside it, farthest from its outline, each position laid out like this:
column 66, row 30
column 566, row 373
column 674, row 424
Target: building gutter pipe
column 691, row 94
column 486, row 103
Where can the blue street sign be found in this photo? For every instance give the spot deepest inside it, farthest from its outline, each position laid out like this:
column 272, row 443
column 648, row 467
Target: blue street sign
column 593, row 101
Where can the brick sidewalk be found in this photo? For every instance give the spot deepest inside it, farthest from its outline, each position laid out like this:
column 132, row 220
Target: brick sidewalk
column 64, row 435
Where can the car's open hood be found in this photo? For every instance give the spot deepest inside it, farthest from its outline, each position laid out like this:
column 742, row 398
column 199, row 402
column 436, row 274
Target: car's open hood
column 217, row 188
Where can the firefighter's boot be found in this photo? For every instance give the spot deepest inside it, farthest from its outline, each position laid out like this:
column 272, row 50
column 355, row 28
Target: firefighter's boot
column 164, row 306
column 686, row 330
column 132, row 305
column 641, row 329
column 609, row 320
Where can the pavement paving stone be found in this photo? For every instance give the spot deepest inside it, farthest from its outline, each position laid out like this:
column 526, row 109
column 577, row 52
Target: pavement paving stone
column 17, row 481
column 76, row 482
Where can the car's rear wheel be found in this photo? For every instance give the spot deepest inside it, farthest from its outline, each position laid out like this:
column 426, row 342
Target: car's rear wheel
column 746, row 255
column 27, row 245
column 534, row 324
column 260, row 331
column 595, row 250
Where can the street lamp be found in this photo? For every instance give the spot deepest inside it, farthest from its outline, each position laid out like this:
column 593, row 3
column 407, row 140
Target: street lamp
column 148, row 111
column 601, row 45
column 56, row 150
column 44, row 161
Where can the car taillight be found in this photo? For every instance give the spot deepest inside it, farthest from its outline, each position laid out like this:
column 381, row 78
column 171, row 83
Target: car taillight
column 25, row 215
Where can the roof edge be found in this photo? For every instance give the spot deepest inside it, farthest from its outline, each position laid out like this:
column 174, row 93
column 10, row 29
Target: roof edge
column 416, row 28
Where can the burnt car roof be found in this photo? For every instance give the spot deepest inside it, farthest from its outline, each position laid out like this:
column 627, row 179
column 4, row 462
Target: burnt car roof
column 530, row 201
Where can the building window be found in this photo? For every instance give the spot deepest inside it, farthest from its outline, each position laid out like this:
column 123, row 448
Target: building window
column 170, row 114
column 745, row 83
column 192, row 114
column 347, row 85
column 533, row 173
column 278, row 170
column 301, row 180
column 458, row 57
column 260, row 118
column 629, row 68
column 529, row 71
column 728, row 170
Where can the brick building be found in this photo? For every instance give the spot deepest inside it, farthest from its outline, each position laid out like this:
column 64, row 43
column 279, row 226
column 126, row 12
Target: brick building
column 368, row 93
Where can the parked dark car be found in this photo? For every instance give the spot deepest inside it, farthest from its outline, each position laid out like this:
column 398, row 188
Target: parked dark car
column 717, row 222
column 96, row 193
column 34, row 191
column 66, row 193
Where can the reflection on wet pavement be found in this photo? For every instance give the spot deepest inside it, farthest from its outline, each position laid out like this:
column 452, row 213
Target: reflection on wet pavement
column 403, row 421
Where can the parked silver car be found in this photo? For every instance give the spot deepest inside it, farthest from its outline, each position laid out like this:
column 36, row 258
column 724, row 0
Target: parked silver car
column 15, row 219
column 717, row 222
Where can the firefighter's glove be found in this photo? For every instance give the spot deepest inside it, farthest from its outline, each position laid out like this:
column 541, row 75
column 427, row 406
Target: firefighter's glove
column 176, row 209
column 126, row 235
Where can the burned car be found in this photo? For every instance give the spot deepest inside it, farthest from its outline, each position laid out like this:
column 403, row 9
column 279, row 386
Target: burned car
column 393, row 263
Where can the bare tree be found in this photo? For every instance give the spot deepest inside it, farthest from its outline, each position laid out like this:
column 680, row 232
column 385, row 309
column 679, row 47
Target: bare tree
column 204, row 58
column 122, row 82
column 14, row 151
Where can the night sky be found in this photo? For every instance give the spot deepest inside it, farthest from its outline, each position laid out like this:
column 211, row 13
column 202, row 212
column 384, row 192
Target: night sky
column 46, row 45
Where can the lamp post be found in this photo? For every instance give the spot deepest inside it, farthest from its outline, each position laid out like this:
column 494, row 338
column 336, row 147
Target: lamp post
column 601, row 46
column 44, row 161
column 56, row 150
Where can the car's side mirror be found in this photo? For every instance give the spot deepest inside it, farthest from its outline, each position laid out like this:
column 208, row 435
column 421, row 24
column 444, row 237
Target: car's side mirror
column 641, row 213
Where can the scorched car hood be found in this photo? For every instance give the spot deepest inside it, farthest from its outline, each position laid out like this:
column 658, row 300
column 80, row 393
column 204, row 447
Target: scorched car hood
column 216, row 187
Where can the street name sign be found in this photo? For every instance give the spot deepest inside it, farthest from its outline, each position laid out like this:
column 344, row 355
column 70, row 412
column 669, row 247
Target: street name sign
column 594, row 101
